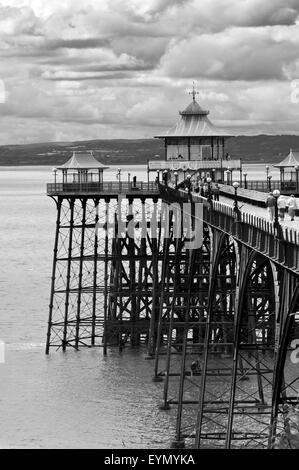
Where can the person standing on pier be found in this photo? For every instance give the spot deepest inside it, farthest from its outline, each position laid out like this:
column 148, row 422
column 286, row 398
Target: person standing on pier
column 216, row 192
column 270, row 203
column 205, row 189
column 201, row 189
column 281, row 204
column 292, row 206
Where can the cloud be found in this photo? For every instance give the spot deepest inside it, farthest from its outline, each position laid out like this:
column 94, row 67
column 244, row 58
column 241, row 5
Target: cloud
column 234, row 54
column 76, row 43
column 17, row 21
column 122, row 68
column 246, row 13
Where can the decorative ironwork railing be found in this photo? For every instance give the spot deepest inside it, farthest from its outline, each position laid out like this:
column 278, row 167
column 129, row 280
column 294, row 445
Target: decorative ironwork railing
column 186, row 165
column 102, row 188
column 262, row 186
column 280, row 244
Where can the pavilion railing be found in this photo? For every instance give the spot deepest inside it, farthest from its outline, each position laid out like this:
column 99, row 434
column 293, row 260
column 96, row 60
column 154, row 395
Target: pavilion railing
column 101, row 187
column 189, row 165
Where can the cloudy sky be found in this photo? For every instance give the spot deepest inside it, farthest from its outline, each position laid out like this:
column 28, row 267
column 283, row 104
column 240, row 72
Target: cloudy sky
column 97, row 69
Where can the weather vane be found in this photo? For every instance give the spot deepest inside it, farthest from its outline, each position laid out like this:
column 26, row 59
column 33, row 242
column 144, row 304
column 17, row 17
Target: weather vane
column 193, row 92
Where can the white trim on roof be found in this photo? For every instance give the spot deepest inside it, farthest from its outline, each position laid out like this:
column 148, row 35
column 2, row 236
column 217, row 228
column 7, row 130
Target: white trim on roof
column 84, row 160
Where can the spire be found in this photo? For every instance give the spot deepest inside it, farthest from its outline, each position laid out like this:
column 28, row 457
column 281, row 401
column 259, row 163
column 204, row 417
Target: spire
column 194, row 107
column 193, row 92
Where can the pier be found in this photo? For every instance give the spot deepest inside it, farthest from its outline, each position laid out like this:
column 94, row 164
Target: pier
column 210, row 288
column 232, row 303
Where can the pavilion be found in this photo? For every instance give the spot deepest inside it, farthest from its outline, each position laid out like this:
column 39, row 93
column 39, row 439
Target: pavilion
column 195, row 145
column 289, row 167
column 82, row 167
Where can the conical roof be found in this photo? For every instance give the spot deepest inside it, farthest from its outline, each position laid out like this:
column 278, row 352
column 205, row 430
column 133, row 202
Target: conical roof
column 194, row 108
column 84, row 160
column 291, row 160
column 195, row 123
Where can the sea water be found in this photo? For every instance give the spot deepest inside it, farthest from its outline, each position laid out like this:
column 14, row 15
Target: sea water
column 77, row 399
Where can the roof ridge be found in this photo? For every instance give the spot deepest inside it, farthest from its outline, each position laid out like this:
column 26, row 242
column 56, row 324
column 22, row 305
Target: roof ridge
column 194, row 108
column 82, row 159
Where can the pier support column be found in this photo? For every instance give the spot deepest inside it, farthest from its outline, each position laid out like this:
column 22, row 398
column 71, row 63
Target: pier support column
column 79, row 288
column 254, row 345
column 58, row 203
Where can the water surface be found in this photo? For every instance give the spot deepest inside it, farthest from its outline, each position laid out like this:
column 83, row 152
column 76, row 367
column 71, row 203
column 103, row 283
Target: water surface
column 77, row 399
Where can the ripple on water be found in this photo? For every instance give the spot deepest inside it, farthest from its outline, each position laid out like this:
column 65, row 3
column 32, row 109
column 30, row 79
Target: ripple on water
column 80, row 400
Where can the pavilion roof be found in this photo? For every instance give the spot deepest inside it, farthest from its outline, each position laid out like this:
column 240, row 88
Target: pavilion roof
column 84, row 160
column 195, row 123
column 291, row 160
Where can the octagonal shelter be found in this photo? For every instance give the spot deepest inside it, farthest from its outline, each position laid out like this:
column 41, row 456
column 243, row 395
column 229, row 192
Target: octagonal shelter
column 289, row 167
column 82, row 167
column 194, row 143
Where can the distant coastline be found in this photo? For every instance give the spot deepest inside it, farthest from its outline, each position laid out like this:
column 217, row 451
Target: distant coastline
column 255, row 149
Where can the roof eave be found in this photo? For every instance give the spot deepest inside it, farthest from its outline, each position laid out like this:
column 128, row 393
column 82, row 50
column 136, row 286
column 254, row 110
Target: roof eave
column 82, row 168
column 194, row 135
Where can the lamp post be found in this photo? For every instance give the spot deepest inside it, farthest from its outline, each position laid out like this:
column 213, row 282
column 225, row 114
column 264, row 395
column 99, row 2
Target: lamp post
column 209, row 195
column 296, row 167
column 175, row 178
column 189, row 183
column 268, row 178
column 276, row 194
column 118, row 176
column 269, row 182
column 236, row 207
column 165, row 172
column 55, row 175
column 228, row 176
column 245, row 180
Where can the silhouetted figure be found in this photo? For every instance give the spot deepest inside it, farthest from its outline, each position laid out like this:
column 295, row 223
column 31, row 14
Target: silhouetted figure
column 134, row 181
column 205, row 189
column 292, row 206
column 216, row 192
column 281, row 204
column 270, row 204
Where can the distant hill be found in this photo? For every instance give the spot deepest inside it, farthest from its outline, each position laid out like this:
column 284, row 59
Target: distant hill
column 118, row 151
column 257, row 149
column 262, row 148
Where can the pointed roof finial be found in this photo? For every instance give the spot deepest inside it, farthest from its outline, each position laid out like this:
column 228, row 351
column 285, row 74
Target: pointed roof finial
column 193, row 92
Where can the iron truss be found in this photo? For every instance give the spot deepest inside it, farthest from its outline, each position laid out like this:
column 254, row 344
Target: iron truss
column 220, row 321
